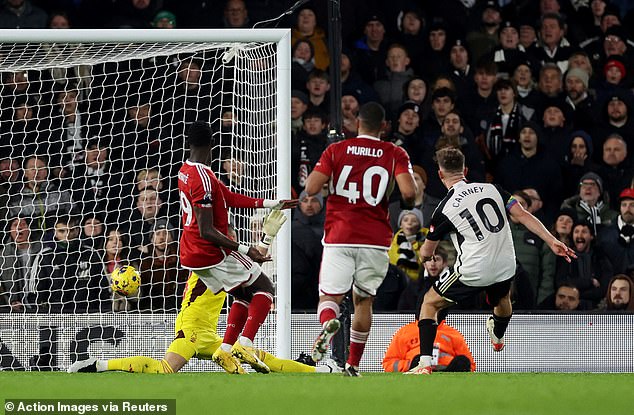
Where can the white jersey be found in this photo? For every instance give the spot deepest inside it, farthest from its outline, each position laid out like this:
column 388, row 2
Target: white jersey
column 474, row 215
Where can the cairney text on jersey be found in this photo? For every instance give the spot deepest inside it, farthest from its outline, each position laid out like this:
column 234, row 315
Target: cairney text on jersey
column 460, row 196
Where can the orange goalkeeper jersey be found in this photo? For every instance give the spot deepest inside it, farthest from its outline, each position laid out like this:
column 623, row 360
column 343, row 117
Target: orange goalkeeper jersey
column 405, row 346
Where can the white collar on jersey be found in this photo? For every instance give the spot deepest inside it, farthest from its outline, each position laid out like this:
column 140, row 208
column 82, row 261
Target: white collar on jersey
column 194, row 163
column 369, row 136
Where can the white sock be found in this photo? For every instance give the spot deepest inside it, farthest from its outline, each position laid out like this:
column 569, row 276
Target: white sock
column 425, row 361
column 245, row 341
column 226, row 347
column 102, row 365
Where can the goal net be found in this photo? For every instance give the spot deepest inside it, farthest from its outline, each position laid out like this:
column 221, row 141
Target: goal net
column 92, row 137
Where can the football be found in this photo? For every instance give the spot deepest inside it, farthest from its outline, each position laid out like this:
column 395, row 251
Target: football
column 125, row 280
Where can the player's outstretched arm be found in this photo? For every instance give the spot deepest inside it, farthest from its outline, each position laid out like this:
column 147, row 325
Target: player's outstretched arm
column 407, row 186
column 238, row 200
column 534, row 225
column 205, row 219
column 315, row 182
column 281, row 204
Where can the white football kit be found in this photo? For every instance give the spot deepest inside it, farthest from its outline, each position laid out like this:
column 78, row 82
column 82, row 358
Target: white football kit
column 475, row 217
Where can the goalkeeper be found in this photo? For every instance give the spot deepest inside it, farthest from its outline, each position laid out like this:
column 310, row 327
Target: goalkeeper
column 195, row 329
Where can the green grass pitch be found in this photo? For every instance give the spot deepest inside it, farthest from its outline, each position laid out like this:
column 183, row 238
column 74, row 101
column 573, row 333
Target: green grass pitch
column 374, row 393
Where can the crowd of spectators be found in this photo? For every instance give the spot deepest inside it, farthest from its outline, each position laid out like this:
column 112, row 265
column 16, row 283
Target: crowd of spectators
column 537, row 94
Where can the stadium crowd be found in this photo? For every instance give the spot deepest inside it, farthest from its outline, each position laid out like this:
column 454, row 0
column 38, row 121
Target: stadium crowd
column 536, row 94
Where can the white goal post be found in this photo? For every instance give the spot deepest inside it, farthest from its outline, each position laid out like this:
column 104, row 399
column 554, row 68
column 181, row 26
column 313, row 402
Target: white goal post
column 264, row 66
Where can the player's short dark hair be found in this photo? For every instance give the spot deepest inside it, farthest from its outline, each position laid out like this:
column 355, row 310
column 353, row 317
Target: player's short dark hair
column 450, row 159
column 199, row 134
column 371, row 116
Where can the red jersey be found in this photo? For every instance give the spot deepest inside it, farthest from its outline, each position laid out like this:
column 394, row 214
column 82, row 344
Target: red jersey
column 362, row 172
column 198, row 186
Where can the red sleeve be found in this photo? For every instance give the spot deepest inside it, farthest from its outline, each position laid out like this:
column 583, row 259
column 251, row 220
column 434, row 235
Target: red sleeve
column 324, row 165
column 401, row 161
column 240, row 201
column 200, row 190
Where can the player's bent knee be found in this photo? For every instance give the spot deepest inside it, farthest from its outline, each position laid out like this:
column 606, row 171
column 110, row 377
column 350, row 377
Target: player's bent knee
column 360, row 295
column 262, row 284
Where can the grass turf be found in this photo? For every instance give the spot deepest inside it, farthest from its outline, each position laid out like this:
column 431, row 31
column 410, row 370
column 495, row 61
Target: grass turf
column 441, row 393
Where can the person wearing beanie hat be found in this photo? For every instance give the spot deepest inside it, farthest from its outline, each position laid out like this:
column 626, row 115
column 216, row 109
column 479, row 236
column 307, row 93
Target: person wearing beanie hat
column 299, row 105
column 589, row 178
column 589, row 203
column 614, row 70
column 371, row 50
column 580, row 75
column 408, row 105
column 407, row 241
column 579, row 104
column 570, row 213
column 300, row 95
column 164, row 20
column 407, row 134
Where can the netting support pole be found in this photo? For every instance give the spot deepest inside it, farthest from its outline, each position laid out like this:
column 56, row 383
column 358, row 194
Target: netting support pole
column 283, row 305
column 335, row 131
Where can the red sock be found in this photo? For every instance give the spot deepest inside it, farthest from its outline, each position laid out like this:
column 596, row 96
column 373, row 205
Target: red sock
column 235, row 321
column 327, row 310
column 258, row 310
column 357, row 345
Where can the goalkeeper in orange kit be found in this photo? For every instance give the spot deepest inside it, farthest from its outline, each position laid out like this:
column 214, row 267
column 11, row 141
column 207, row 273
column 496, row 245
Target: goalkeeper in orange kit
column 195, row 331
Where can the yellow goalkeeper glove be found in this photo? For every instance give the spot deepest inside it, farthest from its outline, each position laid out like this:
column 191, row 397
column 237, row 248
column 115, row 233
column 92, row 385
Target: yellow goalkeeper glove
column 271, row 226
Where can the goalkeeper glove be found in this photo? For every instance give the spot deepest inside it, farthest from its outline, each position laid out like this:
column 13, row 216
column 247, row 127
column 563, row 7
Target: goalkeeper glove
column 271, row 226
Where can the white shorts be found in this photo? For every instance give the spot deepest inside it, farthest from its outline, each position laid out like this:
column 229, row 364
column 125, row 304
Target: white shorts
column 341, row 266
column 236, row 269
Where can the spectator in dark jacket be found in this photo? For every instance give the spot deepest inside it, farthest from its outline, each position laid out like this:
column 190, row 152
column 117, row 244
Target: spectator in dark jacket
column 578, row 161
column 531, row 166
column 307, row 146
column 26, row 271
column 22, row 14
column 591, row 271
column 307, row 230
column 617, row 239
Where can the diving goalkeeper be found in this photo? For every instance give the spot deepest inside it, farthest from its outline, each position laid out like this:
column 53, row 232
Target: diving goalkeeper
column 195, row 330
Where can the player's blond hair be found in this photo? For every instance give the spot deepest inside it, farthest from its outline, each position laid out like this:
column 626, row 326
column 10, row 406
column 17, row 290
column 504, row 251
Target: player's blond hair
column 450, row 160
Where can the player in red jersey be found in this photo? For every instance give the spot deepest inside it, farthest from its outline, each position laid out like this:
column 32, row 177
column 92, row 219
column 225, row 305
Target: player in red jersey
column 361, row 172
column 221, row 263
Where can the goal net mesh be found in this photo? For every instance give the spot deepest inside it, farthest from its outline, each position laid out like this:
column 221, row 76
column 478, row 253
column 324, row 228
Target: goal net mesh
column 91, row 139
